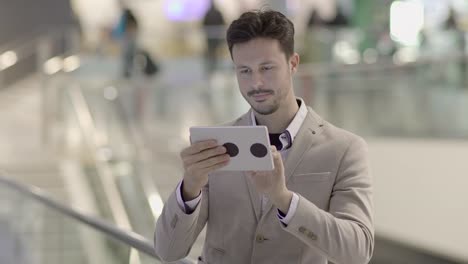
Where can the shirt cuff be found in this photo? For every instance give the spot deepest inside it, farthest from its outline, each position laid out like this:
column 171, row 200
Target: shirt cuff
column 285, row 219
column 186, row 206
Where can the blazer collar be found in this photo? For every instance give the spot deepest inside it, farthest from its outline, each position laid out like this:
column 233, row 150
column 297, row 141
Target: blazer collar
column 244, row 120
column 287, row 137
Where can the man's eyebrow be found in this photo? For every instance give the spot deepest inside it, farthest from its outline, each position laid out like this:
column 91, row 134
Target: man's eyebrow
column 241, row 67
column 267, row 62
column 262, row 63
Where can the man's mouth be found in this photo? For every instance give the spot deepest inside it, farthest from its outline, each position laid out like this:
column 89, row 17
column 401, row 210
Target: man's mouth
column 260, row 96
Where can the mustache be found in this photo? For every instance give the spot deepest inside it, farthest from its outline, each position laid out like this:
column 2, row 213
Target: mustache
column 255, row 92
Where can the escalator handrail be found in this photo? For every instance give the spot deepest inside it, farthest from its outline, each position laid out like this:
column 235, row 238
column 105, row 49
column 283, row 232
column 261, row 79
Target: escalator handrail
column 127, row 237
column 325, row 69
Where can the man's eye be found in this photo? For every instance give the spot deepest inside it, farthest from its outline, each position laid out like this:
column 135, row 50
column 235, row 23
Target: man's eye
column 267, row 68
column 244, row 71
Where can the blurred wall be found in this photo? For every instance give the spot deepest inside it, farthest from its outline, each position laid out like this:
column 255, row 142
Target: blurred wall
column 20, row 22
column 21, row 17
column 420, row 193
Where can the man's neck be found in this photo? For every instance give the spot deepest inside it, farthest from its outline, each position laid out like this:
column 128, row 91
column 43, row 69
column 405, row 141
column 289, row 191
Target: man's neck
column 279, row 121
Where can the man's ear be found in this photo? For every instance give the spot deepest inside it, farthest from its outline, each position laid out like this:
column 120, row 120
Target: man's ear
column 294, row 62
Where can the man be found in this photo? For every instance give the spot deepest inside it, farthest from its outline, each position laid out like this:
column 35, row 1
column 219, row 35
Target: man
column 314, row 207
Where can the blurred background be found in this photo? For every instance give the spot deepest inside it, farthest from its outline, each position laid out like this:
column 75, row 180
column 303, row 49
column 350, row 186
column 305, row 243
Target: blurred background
column 96, row 99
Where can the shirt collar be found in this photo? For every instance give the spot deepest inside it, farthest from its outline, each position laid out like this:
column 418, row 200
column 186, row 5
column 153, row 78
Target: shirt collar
column 293, row 127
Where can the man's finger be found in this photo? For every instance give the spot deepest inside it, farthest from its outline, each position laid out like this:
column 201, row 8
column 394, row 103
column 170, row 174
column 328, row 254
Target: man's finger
column 277, row 160
column 213, row 161
column 215, row 167
column 205, row 154
column 199, row 147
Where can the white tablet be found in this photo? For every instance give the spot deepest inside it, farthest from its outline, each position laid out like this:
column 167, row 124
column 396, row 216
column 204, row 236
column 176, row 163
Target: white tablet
column 248, row 146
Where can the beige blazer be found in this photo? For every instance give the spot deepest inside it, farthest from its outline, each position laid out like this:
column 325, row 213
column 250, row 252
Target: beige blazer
column 327, row 167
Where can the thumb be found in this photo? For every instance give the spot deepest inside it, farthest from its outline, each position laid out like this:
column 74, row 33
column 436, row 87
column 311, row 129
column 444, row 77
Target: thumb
column 277, row 161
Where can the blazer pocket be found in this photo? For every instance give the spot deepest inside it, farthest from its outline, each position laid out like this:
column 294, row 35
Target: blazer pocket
column 214, row 255
column 311, row 177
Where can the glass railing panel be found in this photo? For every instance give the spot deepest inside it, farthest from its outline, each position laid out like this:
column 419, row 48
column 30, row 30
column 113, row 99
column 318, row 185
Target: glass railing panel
column 445, row 73
column 395, row 101
column 385, row 99
column 135, row 171
column 381, row 99
column 112, row 145
column 32, row 232
column 126, row 162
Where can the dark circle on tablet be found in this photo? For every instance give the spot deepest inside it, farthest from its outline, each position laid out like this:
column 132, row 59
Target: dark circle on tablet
column 231, row 149
column 258, row 150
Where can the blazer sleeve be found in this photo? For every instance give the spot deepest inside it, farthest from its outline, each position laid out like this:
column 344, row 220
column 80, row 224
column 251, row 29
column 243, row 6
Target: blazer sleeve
column 344, row 234
column 176, row 231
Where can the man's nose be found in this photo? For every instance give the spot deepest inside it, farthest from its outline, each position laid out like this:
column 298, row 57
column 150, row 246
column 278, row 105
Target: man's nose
column 257, row 80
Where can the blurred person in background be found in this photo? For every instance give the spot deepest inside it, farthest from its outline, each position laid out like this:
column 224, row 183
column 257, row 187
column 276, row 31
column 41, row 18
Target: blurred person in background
column 452, row 26
column 322, row 35
column 137, row 64
column 311, row 51
column 127, row 31
column 314, row 207
column 213, row 24
column 457, row 36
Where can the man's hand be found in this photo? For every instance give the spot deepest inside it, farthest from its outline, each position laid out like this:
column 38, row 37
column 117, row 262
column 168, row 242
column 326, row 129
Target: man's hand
column 199, row 160
column 273, row 183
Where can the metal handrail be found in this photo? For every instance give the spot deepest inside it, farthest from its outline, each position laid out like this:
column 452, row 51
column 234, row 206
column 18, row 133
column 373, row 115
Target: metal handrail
column 125, row 236
column 320, row 69
column 22, row 41
column 130, row 238
column 33, row 36
column 35, row 44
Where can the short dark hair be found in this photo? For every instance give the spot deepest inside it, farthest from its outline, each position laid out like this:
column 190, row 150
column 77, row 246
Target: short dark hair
column 262, row 24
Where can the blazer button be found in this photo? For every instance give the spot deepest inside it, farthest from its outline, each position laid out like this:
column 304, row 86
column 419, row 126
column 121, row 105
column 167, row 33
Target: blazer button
column 302, row 229
column 312, row 236
column 260, row 239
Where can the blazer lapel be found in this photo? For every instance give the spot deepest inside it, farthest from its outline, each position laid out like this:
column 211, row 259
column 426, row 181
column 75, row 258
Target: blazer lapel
column 254, row 197
column 304, row 140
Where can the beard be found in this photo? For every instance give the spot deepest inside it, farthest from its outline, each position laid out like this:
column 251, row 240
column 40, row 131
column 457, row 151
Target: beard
column 264, row 108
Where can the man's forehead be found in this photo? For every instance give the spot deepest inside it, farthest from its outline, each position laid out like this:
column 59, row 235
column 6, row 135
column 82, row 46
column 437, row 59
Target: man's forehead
column 258, row 43
column 252, row 63
column 257, row 51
